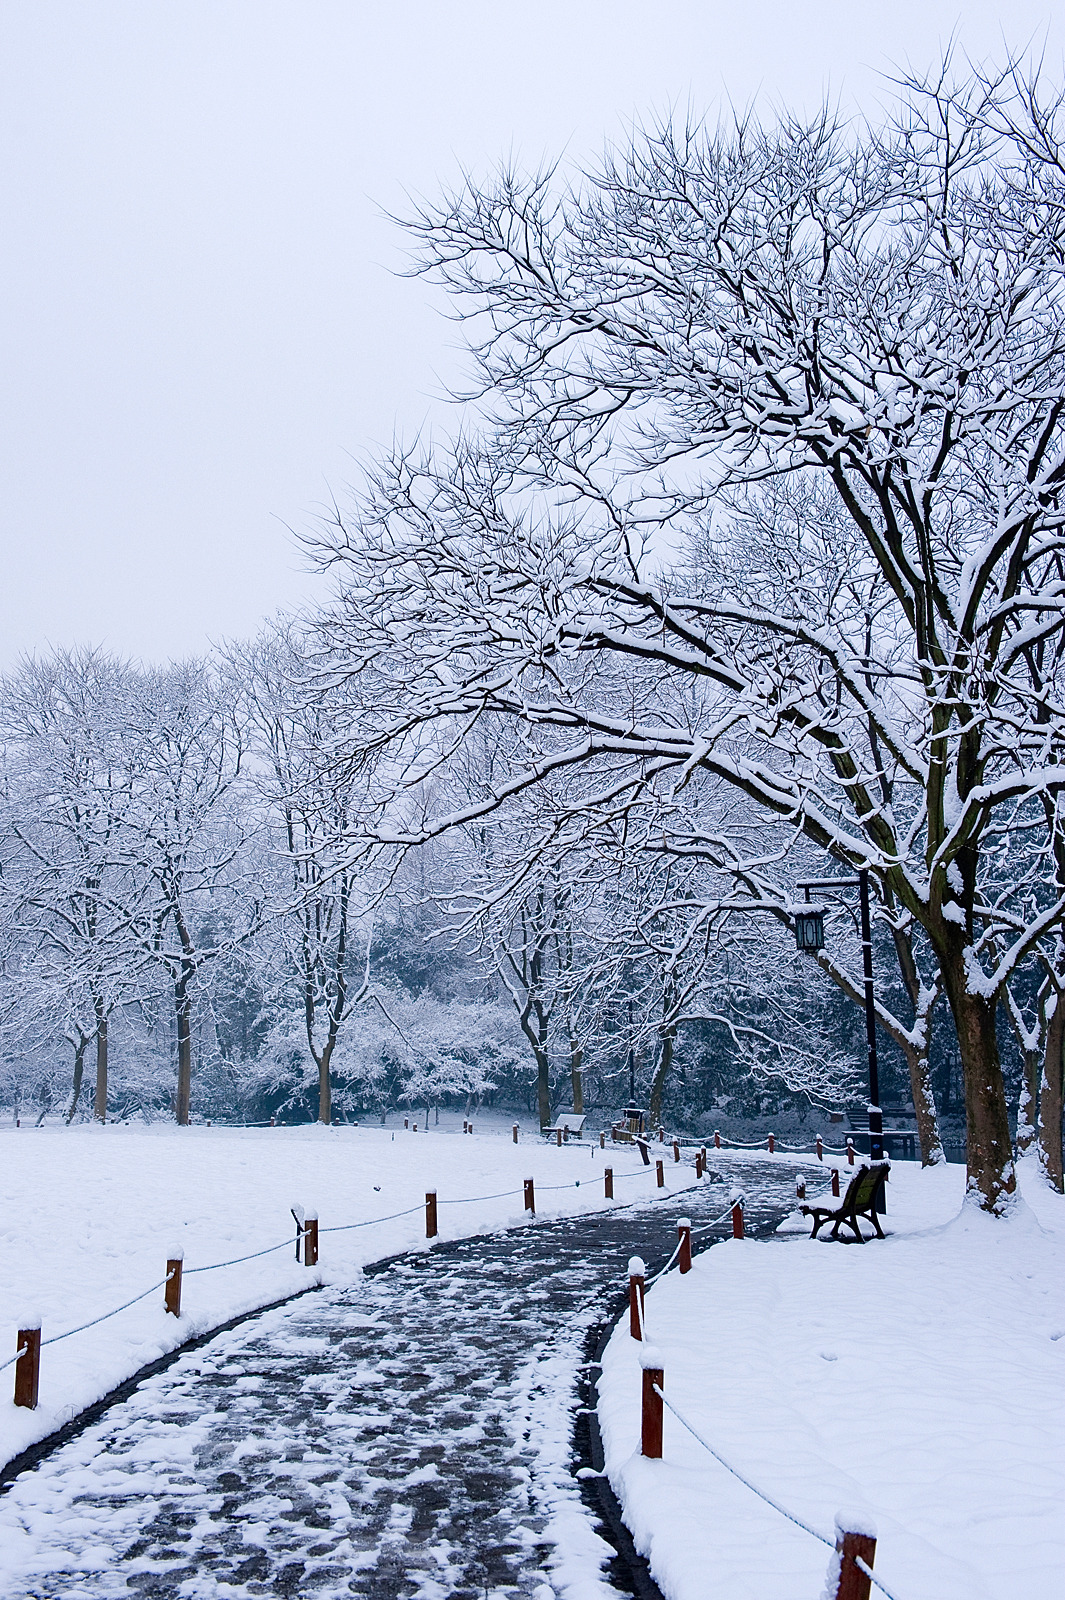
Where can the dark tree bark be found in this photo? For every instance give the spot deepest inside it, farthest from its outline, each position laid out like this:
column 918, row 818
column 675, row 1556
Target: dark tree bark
column 99, row 1109
column 80, row 1047
column 1050, row 1097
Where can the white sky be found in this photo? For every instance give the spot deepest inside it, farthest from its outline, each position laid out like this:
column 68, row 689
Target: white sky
column 200, row 320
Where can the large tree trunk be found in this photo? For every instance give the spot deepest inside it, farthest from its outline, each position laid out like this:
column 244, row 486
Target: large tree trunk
column 991, row 1178
column 79, row 1070
column 1028, row 1101
column 99, row 1108
column 1050, row 1097
column 183, row 1010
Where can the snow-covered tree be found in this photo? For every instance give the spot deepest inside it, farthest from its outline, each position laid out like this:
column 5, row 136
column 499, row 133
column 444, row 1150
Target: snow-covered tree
column 772, row 422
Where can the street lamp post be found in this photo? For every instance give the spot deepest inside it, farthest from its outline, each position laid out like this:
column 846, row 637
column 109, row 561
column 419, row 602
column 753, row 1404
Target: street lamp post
column 810, row 937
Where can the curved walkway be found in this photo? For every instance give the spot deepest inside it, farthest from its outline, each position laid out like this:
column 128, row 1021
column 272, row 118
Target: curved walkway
column 407, row 1435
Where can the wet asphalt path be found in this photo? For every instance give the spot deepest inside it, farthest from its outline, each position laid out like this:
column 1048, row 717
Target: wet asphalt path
column 409, row 1435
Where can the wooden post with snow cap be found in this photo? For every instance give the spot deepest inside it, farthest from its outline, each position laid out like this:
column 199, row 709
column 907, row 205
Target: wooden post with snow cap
column 820, row 1148
column 651, row 1417
column 530, row 1197
column 637, row 1291
column 800, row 1188
column 430, row 1213
column 514, row 1131
column 676, row 1149
column 642, row 1144
column 608, row 1183
column 28, row 1364
column 660, row 1175
column 737, row 1216
column 684, row 1255
column 172, row 1293
column 602, row 1138
column 855, row 1550
column 772, row 1144
column 310, row 1239
column 717, row 1140
column 850, row 1151
column 835, row 1182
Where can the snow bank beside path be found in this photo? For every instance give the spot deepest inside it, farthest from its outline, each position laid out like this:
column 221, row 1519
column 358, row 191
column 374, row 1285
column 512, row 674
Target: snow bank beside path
column 89, row 1216
column 920, row 1381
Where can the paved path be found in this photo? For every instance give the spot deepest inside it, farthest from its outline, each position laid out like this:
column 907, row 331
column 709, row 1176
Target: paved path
column 407, row 1436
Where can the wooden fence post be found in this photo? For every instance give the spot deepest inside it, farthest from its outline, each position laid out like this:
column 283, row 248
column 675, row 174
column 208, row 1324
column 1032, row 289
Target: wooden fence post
column 172, row 1292
column 602, row 1138
column 406, row 1122
column 642, row 1143
column 660, row 1175
column 515, row 1132
column 430, row 1214
column 684, row 1231
column 800, row 1188
column 651, row 1419
column 676, row 1149
column 310, row 1239
column 661, row 1135
column 637, row 1291
column 717, row 1140
column 737, row 1220
column 820, row 1148
column 530, row 1197
column 558, row 1137
column 852, row 1545
column 608, row 1183
column 772, row 1144
column 850, row 1151
column 835, row 1182
column 28, row 1367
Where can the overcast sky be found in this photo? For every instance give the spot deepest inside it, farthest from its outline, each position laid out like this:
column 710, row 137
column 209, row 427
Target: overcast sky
column 202, row 325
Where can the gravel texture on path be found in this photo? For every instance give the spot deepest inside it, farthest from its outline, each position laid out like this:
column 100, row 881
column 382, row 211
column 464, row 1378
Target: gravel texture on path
column 410, row 1434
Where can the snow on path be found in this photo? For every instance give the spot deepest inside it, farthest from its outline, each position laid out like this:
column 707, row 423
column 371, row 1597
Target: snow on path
column 406, row 1435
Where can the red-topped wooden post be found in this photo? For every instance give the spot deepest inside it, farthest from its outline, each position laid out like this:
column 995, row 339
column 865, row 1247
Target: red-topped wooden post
column 530, row 1197
column 637, row 1291
column 855, row 1551
column 172, row 1291
column 651, row 1418
column 608, row 1183
column 684, row 1255
column 430, row 1214
column 28, row 1365
column 737, row 1219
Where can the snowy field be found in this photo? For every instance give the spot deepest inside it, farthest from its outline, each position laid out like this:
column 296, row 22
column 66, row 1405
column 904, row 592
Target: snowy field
column 89, row 1216
column 920, row 1381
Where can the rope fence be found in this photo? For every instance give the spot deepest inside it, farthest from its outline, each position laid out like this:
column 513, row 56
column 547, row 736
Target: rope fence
column 26, row 1359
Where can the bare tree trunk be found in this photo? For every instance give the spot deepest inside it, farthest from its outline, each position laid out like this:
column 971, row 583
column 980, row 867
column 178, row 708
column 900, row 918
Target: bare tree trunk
column 325, row 1088
column 924, row 1102
column 99, row 1109
column 991, row 1177
column 658, row 1083
column 1028, row 1101
column 576, row 1061
column 79, row 1069
column 1050, row 1097
column 183, row 1011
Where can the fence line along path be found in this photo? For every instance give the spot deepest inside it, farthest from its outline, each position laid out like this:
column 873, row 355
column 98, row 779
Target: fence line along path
column 407, row 1435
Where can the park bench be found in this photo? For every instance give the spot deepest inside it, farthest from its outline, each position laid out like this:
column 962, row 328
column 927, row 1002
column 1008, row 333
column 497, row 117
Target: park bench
column 859, row 1201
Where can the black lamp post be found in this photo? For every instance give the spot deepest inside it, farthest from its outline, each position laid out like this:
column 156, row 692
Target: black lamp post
column 810, row 937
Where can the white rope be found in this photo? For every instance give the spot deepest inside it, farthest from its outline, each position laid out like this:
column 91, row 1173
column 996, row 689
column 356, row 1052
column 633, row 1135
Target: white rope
column 781, row 1510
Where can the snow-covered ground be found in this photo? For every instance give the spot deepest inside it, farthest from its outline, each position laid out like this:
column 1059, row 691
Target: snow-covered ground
column 89, row 1216
column 920, row 1381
